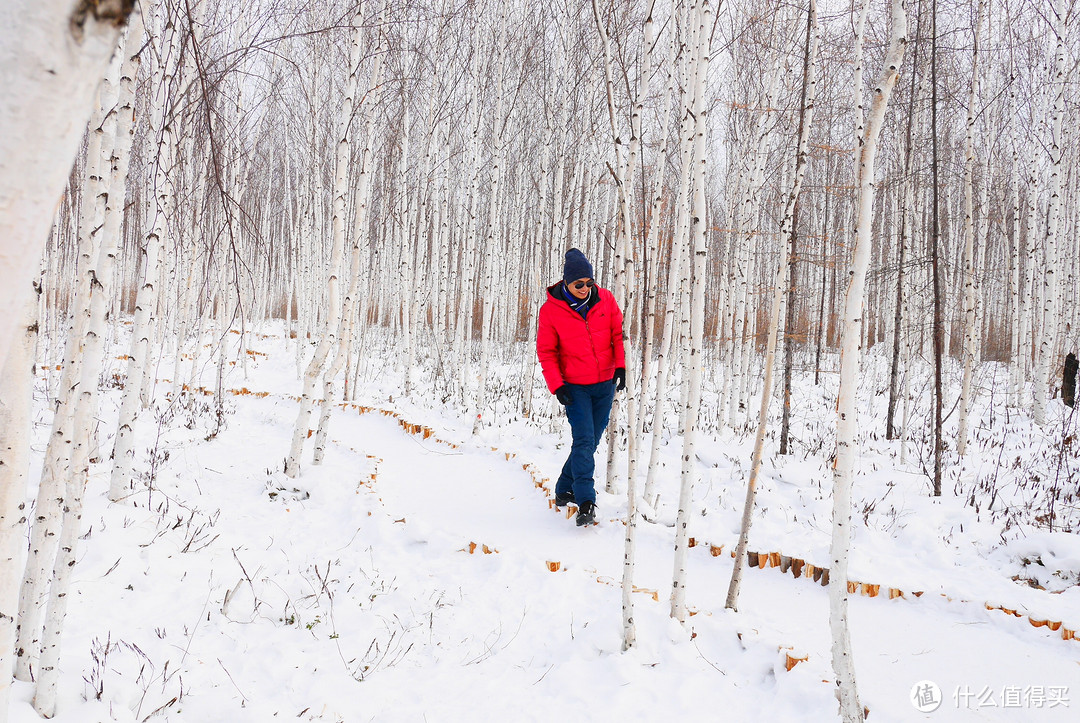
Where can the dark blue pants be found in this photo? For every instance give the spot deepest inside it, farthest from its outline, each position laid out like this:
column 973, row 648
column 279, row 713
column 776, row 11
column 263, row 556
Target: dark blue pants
column 588, row 414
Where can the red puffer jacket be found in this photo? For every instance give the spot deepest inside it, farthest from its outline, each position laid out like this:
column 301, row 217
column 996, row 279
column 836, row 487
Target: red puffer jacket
column 577, row 350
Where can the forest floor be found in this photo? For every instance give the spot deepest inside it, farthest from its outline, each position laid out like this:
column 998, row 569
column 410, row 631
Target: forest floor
column 420, row 572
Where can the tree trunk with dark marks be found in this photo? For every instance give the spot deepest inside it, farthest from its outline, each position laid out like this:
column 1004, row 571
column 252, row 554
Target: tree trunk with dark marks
column 51, row 66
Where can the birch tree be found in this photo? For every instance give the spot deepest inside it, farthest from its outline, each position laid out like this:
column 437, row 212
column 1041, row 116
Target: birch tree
column 137, row 361
column 106, row 221
column 679, row 251
column 1051, row 273
column 703, row 27
column 629, row 632
column 851, row 709
column 51, row 66
column 935, row 261
column 55, row 472
column 16, row 401
column 787, row 233
column 342, row 140
column 970, row 332
column 359, row 246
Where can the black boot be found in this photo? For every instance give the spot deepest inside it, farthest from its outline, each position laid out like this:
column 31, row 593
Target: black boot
column 586, row 514
column 564, row 498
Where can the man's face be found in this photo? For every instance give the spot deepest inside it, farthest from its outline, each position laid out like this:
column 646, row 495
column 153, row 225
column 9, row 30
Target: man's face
column 581, row 288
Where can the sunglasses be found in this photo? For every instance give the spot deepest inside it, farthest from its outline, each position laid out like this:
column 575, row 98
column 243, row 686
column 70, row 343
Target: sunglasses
column 579, row 285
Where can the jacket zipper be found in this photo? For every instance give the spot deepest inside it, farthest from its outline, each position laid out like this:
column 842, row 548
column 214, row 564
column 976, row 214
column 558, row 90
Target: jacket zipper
column 588, row 332
column 592, row 345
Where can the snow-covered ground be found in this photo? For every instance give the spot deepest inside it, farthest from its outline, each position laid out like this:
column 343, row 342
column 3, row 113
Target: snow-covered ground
column 413, row 578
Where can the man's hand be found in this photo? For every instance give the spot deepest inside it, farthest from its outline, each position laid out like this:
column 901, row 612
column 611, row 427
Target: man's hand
column 620, row 379
column 563, row 395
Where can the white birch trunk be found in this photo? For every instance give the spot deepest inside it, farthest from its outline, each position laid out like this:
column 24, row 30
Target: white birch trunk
column 629, row 630
column 493, row 227
column 787, row 228
column 694, row 362
column 742, row 342
column 1028, row 300
column 679, row 252
column 54, row 472
column 1015, row 366
column 1051, row 281
column 403, row 232
column 333, row 283
column 123, row 449
column 622, row 243
column 970, row 330
column 83, row 415
column 851, row 709
column 359, row 246
column 16, row 417
column 52, row 60
column 463, row 337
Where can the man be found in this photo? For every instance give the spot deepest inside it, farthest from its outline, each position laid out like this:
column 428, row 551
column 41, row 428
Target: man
column 580, row 346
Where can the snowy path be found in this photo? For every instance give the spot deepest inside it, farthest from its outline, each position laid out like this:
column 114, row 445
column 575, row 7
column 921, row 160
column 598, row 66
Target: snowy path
column 354, row 600
column 451, row 498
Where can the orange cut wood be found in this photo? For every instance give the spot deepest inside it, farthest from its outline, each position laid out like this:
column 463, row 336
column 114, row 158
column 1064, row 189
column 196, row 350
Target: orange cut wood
column 791, row 661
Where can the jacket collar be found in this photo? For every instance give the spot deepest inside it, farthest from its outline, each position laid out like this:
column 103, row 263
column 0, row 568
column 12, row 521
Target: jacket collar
column 560, row 294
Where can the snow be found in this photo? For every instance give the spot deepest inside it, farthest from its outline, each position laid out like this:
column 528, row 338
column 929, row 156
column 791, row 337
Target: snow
column 410, row 578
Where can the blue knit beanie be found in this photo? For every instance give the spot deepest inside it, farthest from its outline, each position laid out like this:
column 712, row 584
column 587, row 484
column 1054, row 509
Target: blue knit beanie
column 576, row 267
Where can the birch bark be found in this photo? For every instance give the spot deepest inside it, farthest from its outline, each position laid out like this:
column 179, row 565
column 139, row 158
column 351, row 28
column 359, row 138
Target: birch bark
column 493, row 222
column 1015, row 291
column 791, row 237
column 54, row 473
column 742, row 342
column 906, row 224
column 52, row 62
column 123, row 449
column 851, row 709
column 787, row 231
column 970, row 330
column 629, row 631
column 694, row 361
column 85, row 407
column 359, row 247
column 1051, row 281
column 333, row 327
column 675, row 264
column 16, row 401
column 652, row 241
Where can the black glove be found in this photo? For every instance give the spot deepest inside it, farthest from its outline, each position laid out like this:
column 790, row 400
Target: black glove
column 563, row 395
column 620, row 379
